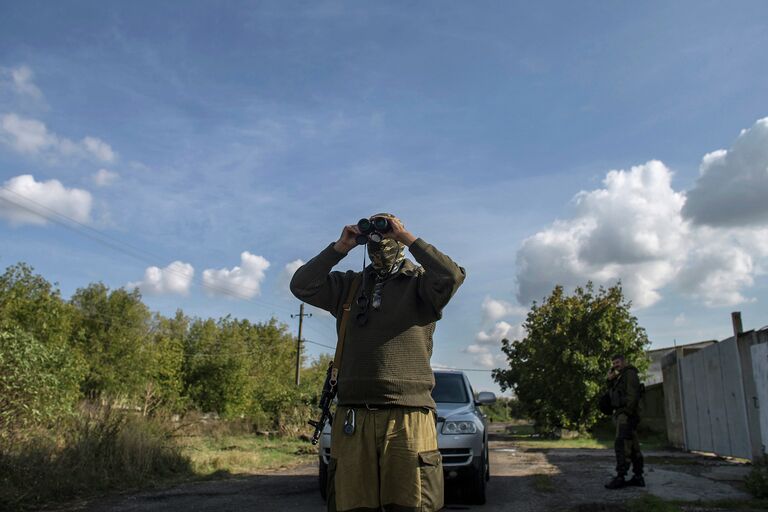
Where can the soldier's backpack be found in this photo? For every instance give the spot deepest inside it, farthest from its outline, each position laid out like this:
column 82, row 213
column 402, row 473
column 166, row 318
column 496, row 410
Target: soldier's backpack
column 605, row 404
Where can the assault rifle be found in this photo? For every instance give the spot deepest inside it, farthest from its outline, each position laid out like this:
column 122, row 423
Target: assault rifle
column 329, row 393
column 329, row 387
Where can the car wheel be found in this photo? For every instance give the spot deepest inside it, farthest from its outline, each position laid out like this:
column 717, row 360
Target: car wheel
column 323, row 478
column 478, row 480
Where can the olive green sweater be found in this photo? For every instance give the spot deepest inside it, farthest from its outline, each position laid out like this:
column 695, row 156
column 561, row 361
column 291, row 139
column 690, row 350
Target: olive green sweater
column 385, row 361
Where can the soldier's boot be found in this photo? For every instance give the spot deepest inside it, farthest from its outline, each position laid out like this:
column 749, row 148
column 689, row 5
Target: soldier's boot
column 638, row 464
column 616, row 483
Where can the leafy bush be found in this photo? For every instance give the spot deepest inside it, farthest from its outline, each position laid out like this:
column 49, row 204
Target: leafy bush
column 39, row 384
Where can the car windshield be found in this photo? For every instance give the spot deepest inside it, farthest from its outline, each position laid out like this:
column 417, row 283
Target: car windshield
column 449, row 388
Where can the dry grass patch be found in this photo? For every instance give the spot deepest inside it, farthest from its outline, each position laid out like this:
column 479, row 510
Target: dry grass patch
column 244, row 453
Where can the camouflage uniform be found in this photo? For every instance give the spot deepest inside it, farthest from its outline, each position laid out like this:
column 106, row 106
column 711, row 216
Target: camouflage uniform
column 625, row 398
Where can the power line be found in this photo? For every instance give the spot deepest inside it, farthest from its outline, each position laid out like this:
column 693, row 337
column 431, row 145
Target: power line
column 319, row 344
column 124, row 247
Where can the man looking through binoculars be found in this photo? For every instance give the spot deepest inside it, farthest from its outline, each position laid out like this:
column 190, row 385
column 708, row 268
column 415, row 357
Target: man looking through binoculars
column 384, row 451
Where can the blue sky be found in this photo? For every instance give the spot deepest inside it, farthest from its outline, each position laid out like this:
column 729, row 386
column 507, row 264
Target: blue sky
column 534, row 144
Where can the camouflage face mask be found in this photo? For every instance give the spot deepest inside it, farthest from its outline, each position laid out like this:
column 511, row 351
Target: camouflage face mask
column 387, row 255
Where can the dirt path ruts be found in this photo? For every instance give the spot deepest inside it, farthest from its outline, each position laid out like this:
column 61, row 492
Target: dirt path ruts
column 523, row 480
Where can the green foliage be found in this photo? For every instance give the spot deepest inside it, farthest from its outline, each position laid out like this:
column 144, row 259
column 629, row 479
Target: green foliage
column 559, row 368
column 106, row 345
column 39, row 384
column 39, row 373
column 274, row 378
column 757, row 480
column 165, row 386
column 504, row 409
column 216, row 366
column 113, row 329
column 238, row 368
column 32, row 304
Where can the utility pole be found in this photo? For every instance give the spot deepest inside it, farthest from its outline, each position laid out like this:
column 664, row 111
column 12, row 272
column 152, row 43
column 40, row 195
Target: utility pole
column 301, row 316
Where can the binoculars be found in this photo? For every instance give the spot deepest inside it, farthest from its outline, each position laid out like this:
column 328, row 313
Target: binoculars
column 372, row 229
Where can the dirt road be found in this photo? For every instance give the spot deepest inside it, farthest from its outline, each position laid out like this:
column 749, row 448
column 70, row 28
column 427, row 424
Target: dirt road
column 522, row 480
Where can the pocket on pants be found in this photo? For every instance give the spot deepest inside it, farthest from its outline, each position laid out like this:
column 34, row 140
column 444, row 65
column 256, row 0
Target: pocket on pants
column 431, row 476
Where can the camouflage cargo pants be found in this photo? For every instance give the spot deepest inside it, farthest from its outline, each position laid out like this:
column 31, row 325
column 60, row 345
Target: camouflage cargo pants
column 391, row 462
column 627, row 445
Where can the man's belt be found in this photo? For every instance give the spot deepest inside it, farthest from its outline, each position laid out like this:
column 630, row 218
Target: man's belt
column 377, row 407
column 371, row 407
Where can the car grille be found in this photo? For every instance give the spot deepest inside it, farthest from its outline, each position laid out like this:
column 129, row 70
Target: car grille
column 456, row 456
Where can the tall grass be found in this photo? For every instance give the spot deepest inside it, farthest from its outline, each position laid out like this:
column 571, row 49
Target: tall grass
column 97, row 450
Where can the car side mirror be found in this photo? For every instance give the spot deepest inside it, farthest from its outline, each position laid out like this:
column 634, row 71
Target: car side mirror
column 485, row 398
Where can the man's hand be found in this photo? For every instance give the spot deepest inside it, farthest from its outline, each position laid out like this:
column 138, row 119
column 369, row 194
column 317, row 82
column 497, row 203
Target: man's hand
column 612, row 374
column 399, row 233
column 347, row 241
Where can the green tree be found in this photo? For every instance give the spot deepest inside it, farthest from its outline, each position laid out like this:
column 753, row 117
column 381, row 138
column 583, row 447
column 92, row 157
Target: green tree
column 40, row 373
column 559, row 368
column 165, row 386
column 32, row 304
column 39, row 383
column 274, row 372
column 113, row 332
column 216, row 367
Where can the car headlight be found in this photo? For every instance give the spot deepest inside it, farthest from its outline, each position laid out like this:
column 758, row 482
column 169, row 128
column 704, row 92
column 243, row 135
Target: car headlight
column 459, row 427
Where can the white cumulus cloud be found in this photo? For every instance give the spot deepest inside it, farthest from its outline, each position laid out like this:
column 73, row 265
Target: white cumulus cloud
column 630, row 230
column 710, row 243
column 30, row 136
column 26, row 135
column 292, row 267
column 23, row 200
column 176, row 279
column 494, row 309
column 499, row 331
column 485, row 356
column 243, row 281
column 733, row 184
column 284, row 280
column 722, row 263
column 98, row 149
